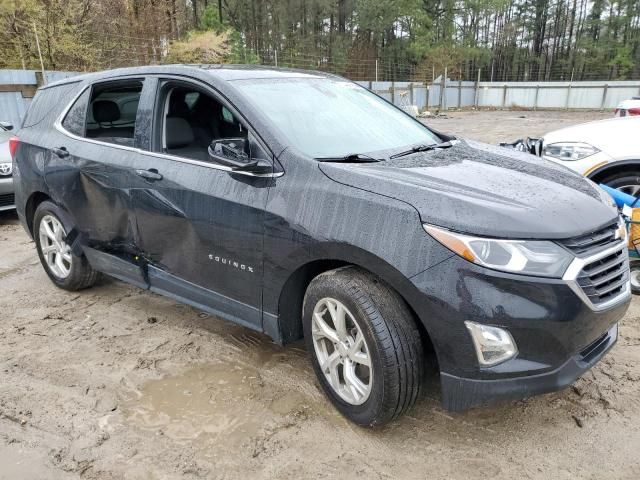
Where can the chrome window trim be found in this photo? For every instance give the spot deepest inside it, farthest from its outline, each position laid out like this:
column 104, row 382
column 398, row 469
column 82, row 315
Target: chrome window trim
column 58, row 126
column 570, row 277
column 165, row 114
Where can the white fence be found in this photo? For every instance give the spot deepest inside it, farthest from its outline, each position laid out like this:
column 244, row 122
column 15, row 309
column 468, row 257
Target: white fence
column 463, row 94
column 17, row 88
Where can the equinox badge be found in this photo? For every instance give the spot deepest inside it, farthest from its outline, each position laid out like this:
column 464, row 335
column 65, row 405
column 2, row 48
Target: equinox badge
column 231, row 263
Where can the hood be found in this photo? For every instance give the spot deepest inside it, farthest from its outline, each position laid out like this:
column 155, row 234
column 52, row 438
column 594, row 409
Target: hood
column 5, row 153
column 617, row 137
column 484, row 190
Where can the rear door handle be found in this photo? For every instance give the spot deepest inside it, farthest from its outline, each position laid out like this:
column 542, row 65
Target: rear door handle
column 151, row 174
column 61, row 152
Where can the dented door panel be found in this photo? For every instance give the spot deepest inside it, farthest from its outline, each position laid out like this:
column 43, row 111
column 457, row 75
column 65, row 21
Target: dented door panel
column 204, row 226
column 93, row 184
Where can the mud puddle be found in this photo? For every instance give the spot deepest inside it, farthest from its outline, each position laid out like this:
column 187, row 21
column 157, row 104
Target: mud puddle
column 215, row 409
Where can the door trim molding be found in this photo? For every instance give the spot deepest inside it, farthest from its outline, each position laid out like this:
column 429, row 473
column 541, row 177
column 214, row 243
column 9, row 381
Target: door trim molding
column 207, row 300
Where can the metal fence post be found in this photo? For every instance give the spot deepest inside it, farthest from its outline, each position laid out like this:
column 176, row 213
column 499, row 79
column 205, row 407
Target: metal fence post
column 392, row 90
column 535, row 101
column 459, row 93
column 477, row 93
column 566, row 107
column 443, row 91
column 504, row 96
column 370, row 85
column 604, row 96
column 411, row 93
column 427, row 98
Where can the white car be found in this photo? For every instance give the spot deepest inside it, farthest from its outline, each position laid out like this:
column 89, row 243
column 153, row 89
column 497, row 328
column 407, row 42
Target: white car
column 7, row 199
column 606, row 151
column 628, row 107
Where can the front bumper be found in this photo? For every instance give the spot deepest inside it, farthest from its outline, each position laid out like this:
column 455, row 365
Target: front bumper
column 463, row 393
column 7, row 197
column 555, row 330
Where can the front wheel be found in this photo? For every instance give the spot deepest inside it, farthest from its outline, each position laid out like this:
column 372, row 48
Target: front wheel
column 634, row 277
column 627, row 182
column 64, row 268
column 364, row 345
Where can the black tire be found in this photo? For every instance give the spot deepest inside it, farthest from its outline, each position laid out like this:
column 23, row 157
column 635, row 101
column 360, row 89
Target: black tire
column 81, row 275
column 635, row 277
column 391, row 335
column 623, row 179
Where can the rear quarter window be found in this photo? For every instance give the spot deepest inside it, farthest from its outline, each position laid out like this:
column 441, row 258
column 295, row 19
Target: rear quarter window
column 48, row 102
column 76, row 117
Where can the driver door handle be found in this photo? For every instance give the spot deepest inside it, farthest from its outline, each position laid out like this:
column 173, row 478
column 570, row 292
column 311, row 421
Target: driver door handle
column 151, row 174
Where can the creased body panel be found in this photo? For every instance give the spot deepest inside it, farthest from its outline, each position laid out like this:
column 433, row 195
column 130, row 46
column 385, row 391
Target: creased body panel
column 94, row 183
column 204, row 226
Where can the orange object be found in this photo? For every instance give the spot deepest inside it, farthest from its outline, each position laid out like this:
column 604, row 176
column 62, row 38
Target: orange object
column 634, row 228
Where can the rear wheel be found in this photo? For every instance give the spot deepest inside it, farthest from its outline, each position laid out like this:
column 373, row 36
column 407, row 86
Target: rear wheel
column 64, row 268
column 364, row 345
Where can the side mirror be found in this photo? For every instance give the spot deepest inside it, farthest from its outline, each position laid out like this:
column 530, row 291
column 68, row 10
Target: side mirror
column 6, row 125
column 232, row 152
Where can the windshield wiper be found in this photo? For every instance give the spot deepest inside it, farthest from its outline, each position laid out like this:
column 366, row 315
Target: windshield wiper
column 351, row 158
column 422, row 148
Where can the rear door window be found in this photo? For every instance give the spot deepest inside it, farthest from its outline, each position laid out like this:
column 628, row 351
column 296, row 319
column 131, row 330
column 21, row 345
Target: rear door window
column 106, row 112
column 112, row 112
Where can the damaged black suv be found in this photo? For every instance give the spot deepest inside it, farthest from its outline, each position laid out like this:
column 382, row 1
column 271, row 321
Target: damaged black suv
column 301, row 205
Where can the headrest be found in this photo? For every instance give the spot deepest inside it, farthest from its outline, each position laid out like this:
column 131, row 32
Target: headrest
column 105, row 111
column 177, row 105
column 178, row 132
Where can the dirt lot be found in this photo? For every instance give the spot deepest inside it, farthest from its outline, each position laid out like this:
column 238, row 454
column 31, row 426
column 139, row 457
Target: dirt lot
column 116, row 382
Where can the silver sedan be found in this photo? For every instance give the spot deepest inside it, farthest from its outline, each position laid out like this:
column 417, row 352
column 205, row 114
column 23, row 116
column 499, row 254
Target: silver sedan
column 7, row 199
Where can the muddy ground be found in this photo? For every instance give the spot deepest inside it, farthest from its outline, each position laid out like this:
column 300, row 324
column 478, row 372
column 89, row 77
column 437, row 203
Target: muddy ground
column 115, row 382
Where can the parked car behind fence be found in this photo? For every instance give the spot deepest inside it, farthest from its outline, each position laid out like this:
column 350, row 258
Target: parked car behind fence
column 7, row 197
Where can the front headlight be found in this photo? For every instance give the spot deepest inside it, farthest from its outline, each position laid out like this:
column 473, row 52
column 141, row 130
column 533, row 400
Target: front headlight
column 569, row 150
column 528, row 257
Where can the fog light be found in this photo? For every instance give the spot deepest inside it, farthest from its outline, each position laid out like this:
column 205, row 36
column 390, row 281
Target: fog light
column 493, row 344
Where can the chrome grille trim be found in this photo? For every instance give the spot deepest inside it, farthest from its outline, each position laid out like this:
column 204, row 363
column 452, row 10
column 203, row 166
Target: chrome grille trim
column 584, row 245
column 576, row 274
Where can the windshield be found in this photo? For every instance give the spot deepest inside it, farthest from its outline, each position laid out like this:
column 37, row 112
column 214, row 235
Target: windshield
column 330, row 118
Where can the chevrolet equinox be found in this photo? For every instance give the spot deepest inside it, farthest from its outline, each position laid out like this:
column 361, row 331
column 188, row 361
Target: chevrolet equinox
column 301, row 205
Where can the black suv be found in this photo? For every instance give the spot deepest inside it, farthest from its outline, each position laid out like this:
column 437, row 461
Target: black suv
column 299, row 204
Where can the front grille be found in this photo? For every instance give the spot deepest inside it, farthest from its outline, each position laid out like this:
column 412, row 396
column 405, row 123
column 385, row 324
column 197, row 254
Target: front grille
column 7, row 200
column 605, row 278
column 590, row 243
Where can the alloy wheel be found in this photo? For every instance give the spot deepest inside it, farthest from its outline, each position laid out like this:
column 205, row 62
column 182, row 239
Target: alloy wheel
column 633, row 190
column 342, row 351
column 56, row 252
